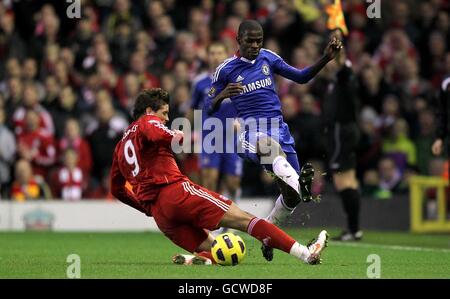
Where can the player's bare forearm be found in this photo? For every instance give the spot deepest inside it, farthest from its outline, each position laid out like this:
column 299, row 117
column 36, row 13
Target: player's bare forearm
column 231, row 90
column 215, row 104
column 331, row 51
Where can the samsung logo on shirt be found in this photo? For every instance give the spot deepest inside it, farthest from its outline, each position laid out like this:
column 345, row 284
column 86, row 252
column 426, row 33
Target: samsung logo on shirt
column 256, row 85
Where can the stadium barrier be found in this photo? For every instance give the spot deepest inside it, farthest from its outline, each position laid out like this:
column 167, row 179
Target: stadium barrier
column 429, row 204
column 100, row 215
column 88, row 215
column 376, row 214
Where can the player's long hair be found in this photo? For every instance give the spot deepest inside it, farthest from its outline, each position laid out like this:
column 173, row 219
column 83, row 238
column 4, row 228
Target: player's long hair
column 154, row 98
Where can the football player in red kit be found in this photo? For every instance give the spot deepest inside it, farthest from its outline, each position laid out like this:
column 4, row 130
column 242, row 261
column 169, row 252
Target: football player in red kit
column 184, row 211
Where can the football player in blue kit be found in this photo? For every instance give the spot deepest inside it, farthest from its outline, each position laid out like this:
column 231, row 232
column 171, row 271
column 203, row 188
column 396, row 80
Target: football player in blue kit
column 247, row 79
column 215, row 160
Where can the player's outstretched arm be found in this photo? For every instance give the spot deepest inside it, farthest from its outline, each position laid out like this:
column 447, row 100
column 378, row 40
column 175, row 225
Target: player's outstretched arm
column 331, row 51
column 304, row 75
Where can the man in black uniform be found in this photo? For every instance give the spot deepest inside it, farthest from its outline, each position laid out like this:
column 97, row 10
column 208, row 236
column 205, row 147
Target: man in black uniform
column 443, row 128
column 342, row 135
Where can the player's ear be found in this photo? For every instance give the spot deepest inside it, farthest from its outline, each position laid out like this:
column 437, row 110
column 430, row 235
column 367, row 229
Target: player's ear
column 149, row 110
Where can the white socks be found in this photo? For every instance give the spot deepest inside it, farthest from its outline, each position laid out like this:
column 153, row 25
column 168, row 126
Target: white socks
column 280, row 212
column 286, row 172
column 282, row 169
column 300, row 251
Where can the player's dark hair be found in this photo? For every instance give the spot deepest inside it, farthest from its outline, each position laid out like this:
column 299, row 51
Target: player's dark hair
column 154, row 98
column 248, row 25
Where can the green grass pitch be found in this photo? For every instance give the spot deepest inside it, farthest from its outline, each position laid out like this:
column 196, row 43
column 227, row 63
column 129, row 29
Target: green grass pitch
column 148, row 255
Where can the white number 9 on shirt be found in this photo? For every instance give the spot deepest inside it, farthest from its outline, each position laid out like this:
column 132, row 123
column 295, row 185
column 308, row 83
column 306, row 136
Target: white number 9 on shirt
column 131, row 159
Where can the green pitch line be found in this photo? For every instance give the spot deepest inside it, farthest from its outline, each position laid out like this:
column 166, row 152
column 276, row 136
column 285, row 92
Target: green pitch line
column 148, row 255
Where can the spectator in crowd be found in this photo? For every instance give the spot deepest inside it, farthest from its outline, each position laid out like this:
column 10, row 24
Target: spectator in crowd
column 7, row 154
column 164, row 38
column 68, row 182
column 370, row 142
column 73, row 139
column 13, row 98
column 122, row 13
column 390, row 176
column 390, row 112
column 138, row 67
column 36, row 146
column 30, row 74
column 27, row 185
column 31, row 102
column 47, row 32
column 154, row 10
column 13, row 69
column 65, row 109
column 132, row 88
column 371, row 185
column 399, row 146
column 122, row 44
column 103, row 134
column 411, row 83
column 52, row 91
column 82, row 40
column 286, row 25
column 373, row 86
column 424, row 140
column 11, row 44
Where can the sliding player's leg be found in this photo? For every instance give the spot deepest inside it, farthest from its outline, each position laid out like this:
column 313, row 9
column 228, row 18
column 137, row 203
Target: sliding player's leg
column 272, row 236
column 185, row 211
column 189, row 238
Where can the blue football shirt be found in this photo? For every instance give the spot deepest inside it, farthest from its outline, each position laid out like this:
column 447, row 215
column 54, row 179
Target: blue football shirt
column 259, row 99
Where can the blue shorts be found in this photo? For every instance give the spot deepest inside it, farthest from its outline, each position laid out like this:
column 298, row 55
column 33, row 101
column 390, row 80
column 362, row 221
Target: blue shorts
column 247, row 150
column 227, row 163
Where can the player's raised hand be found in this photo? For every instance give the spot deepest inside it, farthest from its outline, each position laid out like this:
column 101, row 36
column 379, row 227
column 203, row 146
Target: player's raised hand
column 231, row 90
column 436, row 148
column 333, row 48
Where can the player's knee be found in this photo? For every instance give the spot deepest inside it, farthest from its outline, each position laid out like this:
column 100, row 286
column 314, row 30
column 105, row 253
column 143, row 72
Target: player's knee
column 269, row 147
column 236, row 218
column 345, row 180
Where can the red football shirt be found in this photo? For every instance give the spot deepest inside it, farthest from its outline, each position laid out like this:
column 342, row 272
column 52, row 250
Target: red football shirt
column 144, row 158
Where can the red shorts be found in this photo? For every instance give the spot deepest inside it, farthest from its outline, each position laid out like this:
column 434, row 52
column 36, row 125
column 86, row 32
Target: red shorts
column 183, row 210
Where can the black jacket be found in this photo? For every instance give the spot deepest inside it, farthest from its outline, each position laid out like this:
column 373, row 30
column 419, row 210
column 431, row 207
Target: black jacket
column 341, row 100
column 443, row 126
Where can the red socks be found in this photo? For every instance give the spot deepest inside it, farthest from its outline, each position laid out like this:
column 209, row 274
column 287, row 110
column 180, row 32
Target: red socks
column 270, row 234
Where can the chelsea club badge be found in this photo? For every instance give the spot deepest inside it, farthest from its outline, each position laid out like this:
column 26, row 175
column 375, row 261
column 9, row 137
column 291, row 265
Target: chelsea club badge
column 265, row 69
